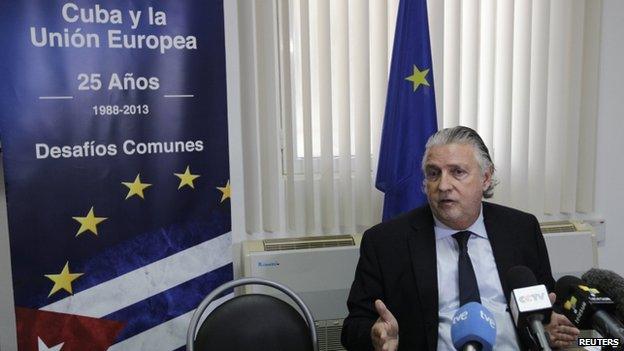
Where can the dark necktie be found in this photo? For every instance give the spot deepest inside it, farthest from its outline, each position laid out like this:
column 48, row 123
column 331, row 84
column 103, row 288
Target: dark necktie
column 468, row 288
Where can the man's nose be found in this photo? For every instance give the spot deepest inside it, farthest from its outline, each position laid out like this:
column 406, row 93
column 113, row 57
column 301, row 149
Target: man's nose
column 445, row 182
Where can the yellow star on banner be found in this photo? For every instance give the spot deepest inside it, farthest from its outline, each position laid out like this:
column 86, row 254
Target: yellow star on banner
column 63, row 280
column 89, row 222
column 226, row 190
column 186, row 178
column 418, row 78
column 136, row 187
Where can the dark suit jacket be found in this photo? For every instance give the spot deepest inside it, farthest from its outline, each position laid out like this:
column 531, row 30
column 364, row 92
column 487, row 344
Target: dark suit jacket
column 398, row 265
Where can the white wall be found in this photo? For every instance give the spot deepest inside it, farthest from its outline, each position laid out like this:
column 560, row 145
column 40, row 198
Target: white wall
column 610, row 148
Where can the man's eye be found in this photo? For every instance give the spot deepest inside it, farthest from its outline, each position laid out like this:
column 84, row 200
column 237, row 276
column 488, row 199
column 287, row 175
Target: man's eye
column 431, row 174
column 459, row 172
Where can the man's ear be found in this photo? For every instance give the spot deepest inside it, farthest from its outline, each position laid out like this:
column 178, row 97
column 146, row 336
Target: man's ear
column 487, row 178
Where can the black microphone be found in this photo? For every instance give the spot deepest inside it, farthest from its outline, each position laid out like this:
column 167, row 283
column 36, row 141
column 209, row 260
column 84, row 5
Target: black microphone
column 609, row 283
column 530, row 306
column 587, row 308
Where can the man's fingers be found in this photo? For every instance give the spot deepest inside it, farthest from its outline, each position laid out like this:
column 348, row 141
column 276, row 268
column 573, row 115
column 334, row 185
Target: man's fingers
column 384, row 313
column 560, row 319
column 385, row 331
column 559, row 344
column 380, row 330
column 561, row 331
column 377, row 328
column 390, row 345
column 570, row 330
column 565, row 337
column 552, row 296
column 560, row 340
column 382, row 341
column 382, row 310
column 383, row 335
column 565, row 321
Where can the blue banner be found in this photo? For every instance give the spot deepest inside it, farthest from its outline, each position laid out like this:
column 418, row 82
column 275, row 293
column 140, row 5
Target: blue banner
column 113, row 124
column 410, row 116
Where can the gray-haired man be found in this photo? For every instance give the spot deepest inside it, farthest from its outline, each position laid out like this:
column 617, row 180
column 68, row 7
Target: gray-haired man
column 406, row 287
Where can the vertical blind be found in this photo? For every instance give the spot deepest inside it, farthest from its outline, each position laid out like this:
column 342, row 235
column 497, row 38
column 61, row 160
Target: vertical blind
column 313, row 87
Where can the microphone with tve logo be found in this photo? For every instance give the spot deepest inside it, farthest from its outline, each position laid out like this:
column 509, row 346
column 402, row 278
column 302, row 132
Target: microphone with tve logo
column 473, row 328
column 530, row 306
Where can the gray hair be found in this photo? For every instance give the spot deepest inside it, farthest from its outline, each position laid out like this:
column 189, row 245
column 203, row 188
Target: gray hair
column 464, row 135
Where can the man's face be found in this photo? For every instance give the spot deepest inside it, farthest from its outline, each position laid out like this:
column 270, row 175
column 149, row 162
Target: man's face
column 454, row 184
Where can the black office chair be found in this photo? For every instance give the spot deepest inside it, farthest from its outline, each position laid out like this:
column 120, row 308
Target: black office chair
column 252, row 322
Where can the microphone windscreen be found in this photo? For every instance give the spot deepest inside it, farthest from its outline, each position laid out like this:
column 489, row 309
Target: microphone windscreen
column 520, row 277
column 610, row 283
column 473, row 323
column 565, row 286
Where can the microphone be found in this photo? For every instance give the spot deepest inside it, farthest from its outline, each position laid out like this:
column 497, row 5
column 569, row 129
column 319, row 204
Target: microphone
column 611, row 284
column 587, row 308
column 530, row 306
column 473, row 328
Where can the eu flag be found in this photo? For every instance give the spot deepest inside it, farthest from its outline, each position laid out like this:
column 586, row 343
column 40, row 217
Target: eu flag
column 410, row 116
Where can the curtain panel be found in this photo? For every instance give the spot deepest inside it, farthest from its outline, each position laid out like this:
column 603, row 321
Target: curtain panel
column 314, row 75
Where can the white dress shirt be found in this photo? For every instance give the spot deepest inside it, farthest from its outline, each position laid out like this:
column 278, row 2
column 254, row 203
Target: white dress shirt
column 490, row 289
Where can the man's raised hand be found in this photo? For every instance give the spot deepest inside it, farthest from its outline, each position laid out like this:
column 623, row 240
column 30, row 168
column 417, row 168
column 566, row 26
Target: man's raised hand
column 385, row 331
column 561, row 332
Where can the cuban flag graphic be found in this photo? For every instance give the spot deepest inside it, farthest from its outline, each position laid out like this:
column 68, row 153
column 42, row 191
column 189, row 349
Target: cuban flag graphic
column 116, row 167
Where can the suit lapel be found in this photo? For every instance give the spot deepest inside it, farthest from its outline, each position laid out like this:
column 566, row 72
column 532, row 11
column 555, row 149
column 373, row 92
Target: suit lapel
column 501, row 240
column 422, row 248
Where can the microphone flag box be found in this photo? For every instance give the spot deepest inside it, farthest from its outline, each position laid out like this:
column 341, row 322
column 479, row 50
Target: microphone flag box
column 584, row 303
column 532, row 299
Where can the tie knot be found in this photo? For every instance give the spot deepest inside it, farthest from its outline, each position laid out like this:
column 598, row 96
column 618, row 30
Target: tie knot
column 462, row 238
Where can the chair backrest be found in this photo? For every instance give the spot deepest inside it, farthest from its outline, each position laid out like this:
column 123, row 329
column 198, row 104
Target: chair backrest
column 252, row 322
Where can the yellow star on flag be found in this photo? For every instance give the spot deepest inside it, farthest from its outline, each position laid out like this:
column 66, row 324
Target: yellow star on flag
column 136, row 187
column 418, row 77
column 63, row 280
column 226, row 190
column 89, row 222
column 186, row 178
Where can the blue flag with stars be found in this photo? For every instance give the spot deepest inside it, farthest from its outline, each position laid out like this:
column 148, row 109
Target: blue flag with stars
column 410, row 116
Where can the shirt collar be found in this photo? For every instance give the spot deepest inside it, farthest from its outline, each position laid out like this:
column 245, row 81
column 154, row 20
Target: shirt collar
column 478, row 227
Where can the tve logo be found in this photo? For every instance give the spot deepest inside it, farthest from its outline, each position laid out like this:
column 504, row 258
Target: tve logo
column 487, row 319
column 463, row 315
column 473, row 323
column 460, row 317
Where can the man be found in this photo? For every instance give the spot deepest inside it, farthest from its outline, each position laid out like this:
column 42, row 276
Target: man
column 406, row 286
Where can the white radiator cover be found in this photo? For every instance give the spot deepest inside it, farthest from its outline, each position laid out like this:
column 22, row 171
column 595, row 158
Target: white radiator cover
column 572, row 247
column 322, row 277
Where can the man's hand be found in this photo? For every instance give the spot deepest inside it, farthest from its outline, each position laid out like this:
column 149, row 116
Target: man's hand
column 385, row 331
column 560, row 330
